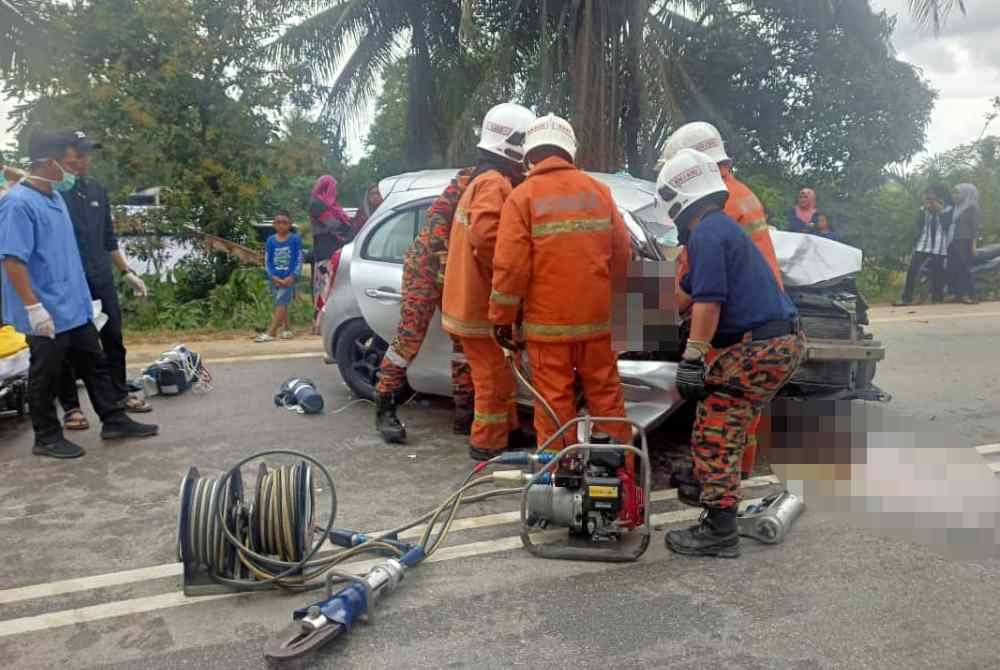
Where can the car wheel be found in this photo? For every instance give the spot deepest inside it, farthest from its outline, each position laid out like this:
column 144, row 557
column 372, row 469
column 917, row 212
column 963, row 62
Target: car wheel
column 359, row 353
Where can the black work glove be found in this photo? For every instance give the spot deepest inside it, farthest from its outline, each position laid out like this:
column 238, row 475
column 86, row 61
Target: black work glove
column 504, row 336
column 691, row 380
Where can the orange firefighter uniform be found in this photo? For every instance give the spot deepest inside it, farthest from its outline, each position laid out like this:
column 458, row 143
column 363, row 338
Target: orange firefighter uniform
column 746, row 209
column 465, row 308
column 562, row 245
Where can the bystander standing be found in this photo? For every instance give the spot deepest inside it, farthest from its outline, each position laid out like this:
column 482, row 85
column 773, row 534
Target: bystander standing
column 282, row 258
column 93, row 225
column 933, row 228
column 962, row 250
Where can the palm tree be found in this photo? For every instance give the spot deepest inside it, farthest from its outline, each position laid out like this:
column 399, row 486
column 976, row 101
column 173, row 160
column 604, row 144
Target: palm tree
column 347, row 44
column 934, row 12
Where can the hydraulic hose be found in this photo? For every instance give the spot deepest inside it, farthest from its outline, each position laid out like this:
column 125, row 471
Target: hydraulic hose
column 512, row 359
column 266, row 543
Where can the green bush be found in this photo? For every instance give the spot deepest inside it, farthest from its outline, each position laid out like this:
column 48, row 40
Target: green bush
column 242, row 303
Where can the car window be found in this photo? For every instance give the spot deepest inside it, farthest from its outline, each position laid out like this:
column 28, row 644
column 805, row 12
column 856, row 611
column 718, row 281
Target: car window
column 394, row 236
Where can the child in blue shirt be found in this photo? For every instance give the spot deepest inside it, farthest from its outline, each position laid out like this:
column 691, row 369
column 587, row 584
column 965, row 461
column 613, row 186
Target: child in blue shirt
column 282, row 258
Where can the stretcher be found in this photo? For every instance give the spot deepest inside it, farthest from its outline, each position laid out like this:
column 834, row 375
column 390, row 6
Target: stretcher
column 14, row 360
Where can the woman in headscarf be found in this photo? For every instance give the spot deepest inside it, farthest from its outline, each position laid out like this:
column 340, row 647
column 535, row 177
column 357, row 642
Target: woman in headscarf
column 802, row 217
column 962, row 250
column 331, row 229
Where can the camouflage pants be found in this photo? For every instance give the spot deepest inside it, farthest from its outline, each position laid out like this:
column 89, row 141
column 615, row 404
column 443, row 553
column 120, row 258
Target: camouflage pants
column 750, row 374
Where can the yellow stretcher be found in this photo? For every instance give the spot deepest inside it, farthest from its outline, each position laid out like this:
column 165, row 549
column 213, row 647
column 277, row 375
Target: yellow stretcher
column 14, row 363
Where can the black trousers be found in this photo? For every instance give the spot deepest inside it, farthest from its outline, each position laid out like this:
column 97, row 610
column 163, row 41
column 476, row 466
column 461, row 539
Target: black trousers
column 935, row 268
column 114, row 351
column 960, row 259
column 82, row 348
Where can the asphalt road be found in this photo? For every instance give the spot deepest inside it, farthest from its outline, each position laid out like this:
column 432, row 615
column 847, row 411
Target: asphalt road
column 88, row 578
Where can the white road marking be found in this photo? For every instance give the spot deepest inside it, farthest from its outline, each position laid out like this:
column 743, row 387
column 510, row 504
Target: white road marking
column 32, row 624
column 122, row 578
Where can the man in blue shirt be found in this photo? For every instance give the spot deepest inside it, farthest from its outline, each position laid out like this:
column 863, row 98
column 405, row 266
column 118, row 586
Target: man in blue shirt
column 744, row 344
column 90, row 212
column 45, row 296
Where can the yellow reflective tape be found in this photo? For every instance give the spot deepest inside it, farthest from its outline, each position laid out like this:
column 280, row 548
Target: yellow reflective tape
column 570, row 226
column 462, row 216
column 466, row 328
column 483, row 417
column 755, row 225
column 550, row 330
column 595, row 491
column 502, row 298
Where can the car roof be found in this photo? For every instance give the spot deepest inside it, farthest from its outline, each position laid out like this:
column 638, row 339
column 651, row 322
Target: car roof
column 630, row 193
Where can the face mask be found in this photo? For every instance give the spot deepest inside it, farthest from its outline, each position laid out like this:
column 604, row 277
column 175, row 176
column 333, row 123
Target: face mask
column 67, row 182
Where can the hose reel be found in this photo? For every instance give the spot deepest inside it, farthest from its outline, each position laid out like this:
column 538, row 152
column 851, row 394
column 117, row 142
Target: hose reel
column 227, row 539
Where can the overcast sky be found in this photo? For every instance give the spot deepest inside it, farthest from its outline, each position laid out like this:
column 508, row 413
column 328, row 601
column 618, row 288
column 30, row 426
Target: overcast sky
column 963, row 64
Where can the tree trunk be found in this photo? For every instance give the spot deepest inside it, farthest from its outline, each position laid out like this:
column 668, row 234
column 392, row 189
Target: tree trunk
column 421, row 124
column 635, row 89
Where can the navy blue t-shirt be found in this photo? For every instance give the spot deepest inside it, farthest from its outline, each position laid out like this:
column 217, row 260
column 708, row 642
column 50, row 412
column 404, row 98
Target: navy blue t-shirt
column 727, row 268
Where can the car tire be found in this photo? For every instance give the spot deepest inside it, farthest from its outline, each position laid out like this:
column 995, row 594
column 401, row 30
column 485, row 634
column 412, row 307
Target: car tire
column 358, row 352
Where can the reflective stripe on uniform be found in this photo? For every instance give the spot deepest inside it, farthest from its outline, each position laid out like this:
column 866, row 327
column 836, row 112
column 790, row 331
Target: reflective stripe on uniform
column 755, row 225
column 462, row 216
column 570, row 330
column 395, row 358
column 466, row 328
column 499, row 417
column 501, row 298
column 570, row 226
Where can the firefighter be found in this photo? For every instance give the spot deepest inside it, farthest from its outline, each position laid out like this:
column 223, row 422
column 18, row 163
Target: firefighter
column 562, row 245
column 423, row 279
column 744, row 343
column 469, row 274
column 746, row 209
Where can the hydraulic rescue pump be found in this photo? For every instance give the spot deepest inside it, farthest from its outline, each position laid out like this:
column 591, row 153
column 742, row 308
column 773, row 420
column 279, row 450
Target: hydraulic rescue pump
column 598, row 491
column 595, row 496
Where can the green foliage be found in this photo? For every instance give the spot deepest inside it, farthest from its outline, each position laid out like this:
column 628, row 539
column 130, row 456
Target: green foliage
column 242, row 303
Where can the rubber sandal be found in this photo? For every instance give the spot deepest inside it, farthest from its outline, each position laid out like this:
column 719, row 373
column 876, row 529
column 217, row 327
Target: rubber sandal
column 137, row 405
column 75, row 419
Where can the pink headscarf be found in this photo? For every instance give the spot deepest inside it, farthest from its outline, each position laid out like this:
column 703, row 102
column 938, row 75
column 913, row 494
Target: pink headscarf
column 325, row 190
column 806, row 213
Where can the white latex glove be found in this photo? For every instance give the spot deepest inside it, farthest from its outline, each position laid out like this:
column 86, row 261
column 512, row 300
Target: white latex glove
column 135, row 281
column 41, row 321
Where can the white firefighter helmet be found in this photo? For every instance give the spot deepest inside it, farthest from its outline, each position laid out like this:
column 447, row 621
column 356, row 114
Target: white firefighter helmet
column 700, row 136
column 688, row 179
column 551, row 131
column 504, row 127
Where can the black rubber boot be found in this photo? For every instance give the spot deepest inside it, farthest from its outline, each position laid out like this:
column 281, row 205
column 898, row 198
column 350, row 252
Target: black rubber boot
column 477, row 454
column 688, row 488
column 463, row 420
column 519, row 440
column 386, row 422
column 715, row 535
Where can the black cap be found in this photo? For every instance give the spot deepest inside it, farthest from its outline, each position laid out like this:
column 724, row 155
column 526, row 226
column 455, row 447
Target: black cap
column 85, row 144
column 52, row 144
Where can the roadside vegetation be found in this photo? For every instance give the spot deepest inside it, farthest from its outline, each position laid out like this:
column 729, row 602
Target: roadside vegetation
column 236, row 108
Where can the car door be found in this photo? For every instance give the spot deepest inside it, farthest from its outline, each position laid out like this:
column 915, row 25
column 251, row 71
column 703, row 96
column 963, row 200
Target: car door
column 377, row 268
column 376, row 278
